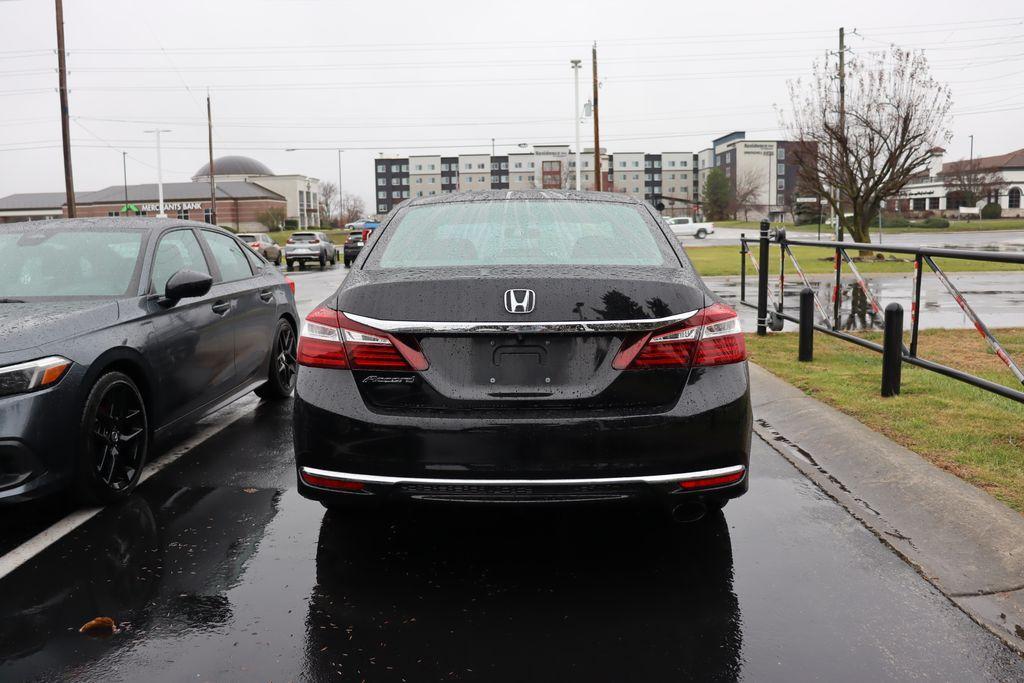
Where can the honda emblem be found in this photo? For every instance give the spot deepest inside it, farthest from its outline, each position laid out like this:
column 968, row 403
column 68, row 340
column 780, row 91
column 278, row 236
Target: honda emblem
column 520, row 300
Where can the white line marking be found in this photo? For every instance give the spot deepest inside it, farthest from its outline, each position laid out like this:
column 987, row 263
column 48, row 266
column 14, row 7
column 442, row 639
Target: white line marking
column 58, row 530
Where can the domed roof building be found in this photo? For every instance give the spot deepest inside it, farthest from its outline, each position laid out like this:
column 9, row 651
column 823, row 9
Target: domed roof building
column 238, row 167
column 301, row 192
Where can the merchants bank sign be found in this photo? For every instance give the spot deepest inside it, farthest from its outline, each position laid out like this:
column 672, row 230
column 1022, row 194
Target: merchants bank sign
column 171, row 206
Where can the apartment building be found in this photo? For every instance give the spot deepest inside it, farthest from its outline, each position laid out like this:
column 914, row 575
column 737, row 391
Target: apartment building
column 768, row 167
column 673, row 178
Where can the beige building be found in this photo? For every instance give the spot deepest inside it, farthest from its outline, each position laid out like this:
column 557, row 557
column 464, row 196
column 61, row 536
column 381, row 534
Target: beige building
column 424, row 176
column 474, row 172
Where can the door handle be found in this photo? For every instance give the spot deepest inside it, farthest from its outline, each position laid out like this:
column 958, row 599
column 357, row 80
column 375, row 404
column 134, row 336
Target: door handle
column 266, row 295
column 221, row 307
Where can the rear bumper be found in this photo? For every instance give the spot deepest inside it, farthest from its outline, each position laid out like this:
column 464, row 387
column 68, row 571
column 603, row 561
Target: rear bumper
column 560, row 456
column 318, row 483
column 305, row 257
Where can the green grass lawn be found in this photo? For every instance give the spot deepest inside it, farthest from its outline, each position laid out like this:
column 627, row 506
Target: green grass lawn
column 725, row 260
column 974, row 434
column 335, row 235
column 954, row 226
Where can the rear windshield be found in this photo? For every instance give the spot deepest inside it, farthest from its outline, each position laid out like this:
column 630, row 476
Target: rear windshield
column 304, row 237
column 248, row 238
column 65, row 263
column 522, row 232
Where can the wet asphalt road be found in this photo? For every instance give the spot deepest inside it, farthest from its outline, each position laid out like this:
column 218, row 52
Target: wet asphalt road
column 985, row 240
column 218, row 570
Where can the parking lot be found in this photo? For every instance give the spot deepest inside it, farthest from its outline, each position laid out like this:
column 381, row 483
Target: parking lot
column 215, row 569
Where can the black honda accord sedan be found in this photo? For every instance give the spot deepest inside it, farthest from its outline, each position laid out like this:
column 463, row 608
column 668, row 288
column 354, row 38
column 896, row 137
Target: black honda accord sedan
column 113, row 330
column 523, row 347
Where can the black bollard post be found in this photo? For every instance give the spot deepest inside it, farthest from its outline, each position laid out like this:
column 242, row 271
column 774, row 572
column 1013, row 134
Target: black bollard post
column 892, row 350
column 762, row 281
column 806, row 353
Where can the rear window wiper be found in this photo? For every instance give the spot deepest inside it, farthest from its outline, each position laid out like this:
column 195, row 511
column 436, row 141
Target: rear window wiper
column 6, row 300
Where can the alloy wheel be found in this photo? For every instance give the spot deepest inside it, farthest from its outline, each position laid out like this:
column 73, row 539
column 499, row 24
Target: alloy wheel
column 286, row 356
column 118, row 436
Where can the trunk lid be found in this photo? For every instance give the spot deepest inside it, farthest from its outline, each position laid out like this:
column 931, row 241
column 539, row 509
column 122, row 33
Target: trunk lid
column 557, row 355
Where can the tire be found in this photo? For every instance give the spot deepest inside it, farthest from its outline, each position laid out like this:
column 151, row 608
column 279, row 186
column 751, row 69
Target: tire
column 291, row 265
column 113, row 442
column 323, row 260
column 348, row 263
column 334, row 258
column 281, row 373
column 702, row 233
column 277, row 261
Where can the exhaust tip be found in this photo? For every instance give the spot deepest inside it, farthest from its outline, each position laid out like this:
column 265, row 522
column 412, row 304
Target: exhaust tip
column 686, row 513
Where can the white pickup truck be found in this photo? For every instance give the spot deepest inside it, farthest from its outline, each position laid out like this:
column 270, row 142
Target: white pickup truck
column 684, row 226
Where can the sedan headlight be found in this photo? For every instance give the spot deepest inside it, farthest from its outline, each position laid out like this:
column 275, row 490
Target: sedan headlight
column 33, row 375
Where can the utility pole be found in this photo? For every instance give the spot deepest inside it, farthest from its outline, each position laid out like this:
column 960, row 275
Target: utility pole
column 972, row 153
column 160, row 171
column 597, row 128
column 842, row 119
column 576, row 65
column 213, row 182
column 65, row 125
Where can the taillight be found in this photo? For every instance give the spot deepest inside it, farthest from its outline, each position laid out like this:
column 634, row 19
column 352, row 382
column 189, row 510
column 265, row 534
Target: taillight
column 330, row 340
column 290, row 241
column 314, row 241
column 291, row 284
column 713, row 482
column 711, row 337
column 255, row 245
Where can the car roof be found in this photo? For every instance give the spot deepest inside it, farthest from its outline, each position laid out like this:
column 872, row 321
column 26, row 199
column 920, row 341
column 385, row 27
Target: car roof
column 504, row 195
column 135, row 223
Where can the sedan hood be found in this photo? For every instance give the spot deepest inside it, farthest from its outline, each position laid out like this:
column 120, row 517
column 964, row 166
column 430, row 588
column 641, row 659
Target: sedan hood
column 562, row 294
column 39, row 323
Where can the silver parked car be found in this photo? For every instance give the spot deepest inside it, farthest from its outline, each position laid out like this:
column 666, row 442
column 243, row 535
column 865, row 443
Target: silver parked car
column 303, row 247
column 261, row 243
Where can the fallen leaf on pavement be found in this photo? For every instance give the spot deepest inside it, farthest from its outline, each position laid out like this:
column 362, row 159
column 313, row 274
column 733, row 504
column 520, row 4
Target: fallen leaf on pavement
column 100, row 627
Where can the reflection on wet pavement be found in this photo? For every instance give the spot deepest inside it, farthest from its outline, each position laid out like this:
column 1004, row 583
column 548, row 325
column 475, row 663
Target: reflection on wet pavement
column 255, row 583
column 997, row 297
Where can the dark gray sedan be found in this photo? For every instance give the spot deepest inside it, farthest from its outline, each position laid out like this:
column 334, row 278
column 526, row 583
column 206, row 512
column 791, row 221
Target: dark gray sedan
column 114, row 330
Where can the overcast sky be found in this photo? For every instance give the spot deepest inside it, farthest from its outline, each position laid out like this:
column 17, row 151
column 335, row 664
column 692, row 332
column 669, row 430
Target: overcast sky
column 403, row 77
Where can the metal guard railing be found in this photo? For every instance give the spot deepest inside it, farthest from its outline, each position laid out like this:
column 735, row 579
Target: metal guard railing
column 831, row 324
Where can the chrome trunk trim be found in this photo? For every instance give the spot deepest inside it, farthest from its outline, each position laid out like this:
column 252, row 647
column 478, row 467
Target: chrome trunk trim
column 538, row 327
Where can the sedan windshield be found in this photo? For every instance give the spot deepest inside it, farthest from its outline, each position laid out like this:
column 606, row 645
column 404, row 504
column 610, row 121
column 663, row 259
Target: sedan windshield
column 528, row 232
column 36, row 262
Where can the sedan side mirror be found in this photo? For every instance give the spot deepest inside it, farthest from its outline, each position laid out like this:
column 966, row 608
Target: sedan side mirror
column 187, row 283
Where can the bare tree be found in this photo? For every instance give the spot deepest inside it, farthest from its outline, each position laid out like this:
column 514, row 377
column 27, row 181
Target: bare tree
column 748, row 190
column 970, row 183
column 895, row 114
column 272, row 218
column 353, row 209
column 328, row 200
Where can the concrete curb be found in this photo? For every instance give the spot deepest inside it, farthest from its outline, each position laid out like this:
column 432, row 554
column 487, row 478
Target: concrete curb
column 967, row 544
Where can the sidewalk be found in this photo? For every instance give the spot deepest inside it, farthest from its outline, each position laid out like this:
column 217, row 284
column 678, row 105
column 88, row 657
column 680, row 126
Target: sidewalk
column 966, row 543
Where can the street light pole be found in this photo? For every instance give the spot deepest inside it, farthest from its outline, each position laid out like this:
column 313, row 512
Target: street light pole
column 341, row 195
column 124, row 169
column 160, row 171
column 576, row 65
